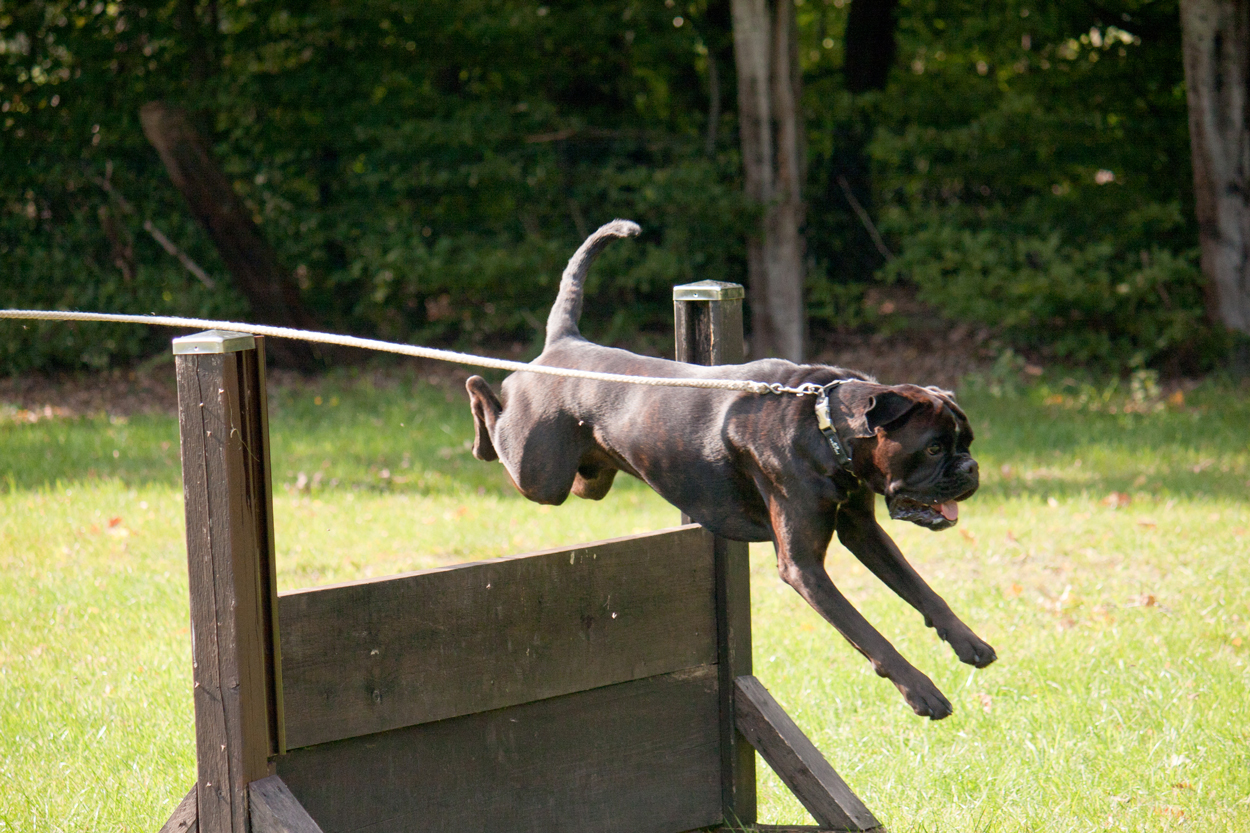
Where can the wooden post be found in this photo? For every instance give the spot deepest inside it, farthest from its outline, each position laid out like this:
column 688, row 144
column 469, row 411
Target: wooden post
column 222, row 417
column 709, row 332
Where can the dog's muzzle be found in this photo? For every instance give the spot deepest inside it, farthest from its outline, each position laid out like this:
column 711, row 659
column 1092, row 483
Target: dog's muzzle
column 939, row 509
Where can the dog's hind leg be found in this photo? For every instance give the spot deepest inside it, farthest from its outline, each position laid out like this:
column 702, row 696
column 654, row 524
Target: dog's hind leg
column 486, row 408
column 593, row 482
column 540, row 455
column 542, row 461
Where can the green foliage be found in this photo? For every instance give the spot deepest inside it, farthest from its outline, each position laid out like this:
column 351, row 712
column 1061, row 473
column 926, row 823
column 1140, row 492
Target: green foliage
column 426, row 169
column 1091, row 304
column 1034, row 165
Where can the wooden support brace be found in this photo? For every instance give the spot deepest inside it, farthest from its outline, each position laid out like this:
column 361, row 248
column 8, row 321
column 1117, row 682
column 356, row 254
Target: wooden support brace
column 797, row 761
column 271, row 809
column 185, row 818
column 275, row 810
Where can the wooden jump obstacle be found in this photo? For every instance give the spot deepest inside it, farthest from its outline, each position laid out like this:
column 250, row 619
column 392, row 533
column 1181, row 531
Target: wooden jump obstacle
column 603, row 687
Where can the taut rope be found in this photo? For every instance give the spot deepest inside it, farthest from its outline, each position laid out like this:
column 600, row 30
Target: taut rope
column 408, row 350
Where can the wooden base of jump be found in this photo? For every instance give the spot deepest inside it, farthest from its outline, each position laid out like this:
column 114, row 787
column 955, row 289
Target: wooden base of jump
column 603, row 687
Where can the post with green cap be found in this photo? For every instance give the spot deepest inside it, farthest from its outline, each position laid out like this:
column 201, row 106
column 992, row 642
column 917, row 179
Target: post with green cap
column 222, row 417
column 708, row 317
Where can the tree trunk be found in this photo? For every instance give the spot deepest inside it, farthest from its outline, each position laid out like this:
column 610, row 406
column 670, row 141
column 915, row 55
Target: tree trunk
column 772, row 156
column 254, row 266
column 1216, row 43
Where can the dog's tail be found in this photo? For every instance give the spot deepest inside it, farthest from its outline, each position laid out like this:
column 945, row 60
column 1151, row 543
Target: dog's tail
column 567, row 310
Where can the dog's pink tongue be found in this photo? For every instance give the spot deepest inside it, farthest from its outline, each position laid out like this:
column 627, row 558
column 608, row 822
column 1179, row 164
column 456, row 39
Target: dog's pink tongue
column 949, row 510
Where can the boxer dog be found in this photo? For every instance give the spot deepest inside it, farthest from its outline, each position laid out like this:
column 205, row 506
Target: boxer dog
column 791, row 469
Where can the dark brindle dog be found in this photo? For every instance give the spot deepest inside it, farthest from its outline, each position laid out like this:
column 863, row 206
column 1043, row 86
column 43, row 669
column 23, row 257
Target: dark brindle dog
column 747, row 466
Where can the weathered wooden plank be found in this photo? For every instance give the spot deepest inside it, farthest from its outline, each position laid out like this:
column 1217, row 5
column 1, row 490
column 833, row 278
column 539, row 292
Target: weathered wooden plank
column 231, row 597
column 198, row 380
column 378, row 655
column 275, row 810
column 639, row 757
column 797, row 828
column 775, row 828
column 798, row 763
column 733, row 618
column 261, row 474
column 708, row 331
column 184, row 818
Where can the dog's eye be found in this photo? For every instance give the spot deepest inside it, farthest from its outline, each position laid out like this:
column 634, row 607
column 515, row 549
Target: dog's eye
column 934, row 449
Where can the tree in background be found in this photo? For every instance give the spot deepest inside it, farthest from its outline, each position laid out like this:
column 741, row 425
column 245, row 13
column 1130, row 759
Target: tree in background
column 1031, row 164
column 422, row 171
column 771, row 130
column 1217, row 76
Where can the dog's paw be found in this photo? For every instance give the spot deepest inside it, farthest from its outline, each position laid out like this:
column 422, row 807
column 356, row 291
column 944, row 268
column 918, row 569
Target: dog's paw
column 923, row 696
column 969, row 647
column 485, row 408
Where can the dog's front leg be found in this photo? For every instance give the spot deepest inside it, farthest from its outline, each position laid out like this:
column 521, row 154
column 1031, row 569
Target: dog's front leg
column 801, row 547
column 860, row 533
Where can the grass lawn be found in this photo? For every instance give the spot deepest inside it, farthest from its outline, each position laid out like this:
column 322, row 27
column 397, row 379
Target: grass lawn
column 1104, row 558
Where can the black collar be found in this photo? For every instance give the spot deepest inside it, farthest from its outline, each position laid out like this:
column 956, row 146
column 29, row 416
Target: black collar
column 840, row 450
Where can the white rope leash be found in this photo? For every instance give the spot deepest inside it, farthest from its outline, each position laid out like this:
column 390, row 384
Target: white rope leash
column 405, row 350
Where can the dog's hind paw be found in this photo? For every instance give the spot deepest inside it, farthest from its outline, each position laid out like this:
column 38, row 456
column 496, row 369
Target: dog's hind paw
column 485, row 407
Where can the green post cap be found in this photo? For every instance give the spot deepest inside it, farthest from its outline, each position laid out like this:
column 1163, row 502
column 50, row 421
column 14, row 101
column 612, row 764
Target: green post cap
column 709, row 291
column 214, row 341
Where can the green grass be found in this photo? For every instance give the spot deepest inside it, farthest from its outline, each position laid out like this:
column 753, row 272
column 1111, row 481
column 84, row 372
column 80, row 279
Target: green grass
column 1104, row 557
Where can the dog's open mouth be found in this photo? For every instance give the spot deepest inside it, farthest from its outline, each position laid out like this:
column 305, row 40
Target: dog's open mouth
column 939, row 515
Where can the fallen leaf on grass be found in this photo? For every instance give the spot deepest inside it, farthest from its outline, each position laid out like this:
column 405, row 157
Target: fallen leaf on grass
column 1013, row 591
column 1170, row 810
column 1236, row 641
column 1182, row 785
column 986, row 701
column 1146, row 522
column 1117, row 500
column 968, row 534
column 114, row 521
column 1144, row 600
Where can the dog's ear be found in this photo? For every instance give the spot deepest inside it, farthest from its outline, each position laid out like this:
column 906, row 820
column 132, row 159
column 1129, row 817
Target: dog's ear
column 886, row 408
column 865, row 406
column 948, row 399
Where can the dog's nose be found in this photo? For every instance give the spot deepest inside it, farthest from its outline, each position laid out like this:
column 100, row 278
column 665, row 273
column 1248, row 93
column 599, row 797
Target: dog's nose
column 968, row 467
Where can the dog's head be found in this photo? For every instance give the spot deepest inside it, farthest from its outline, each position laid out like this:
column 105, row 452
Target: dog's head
column 910, row 444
